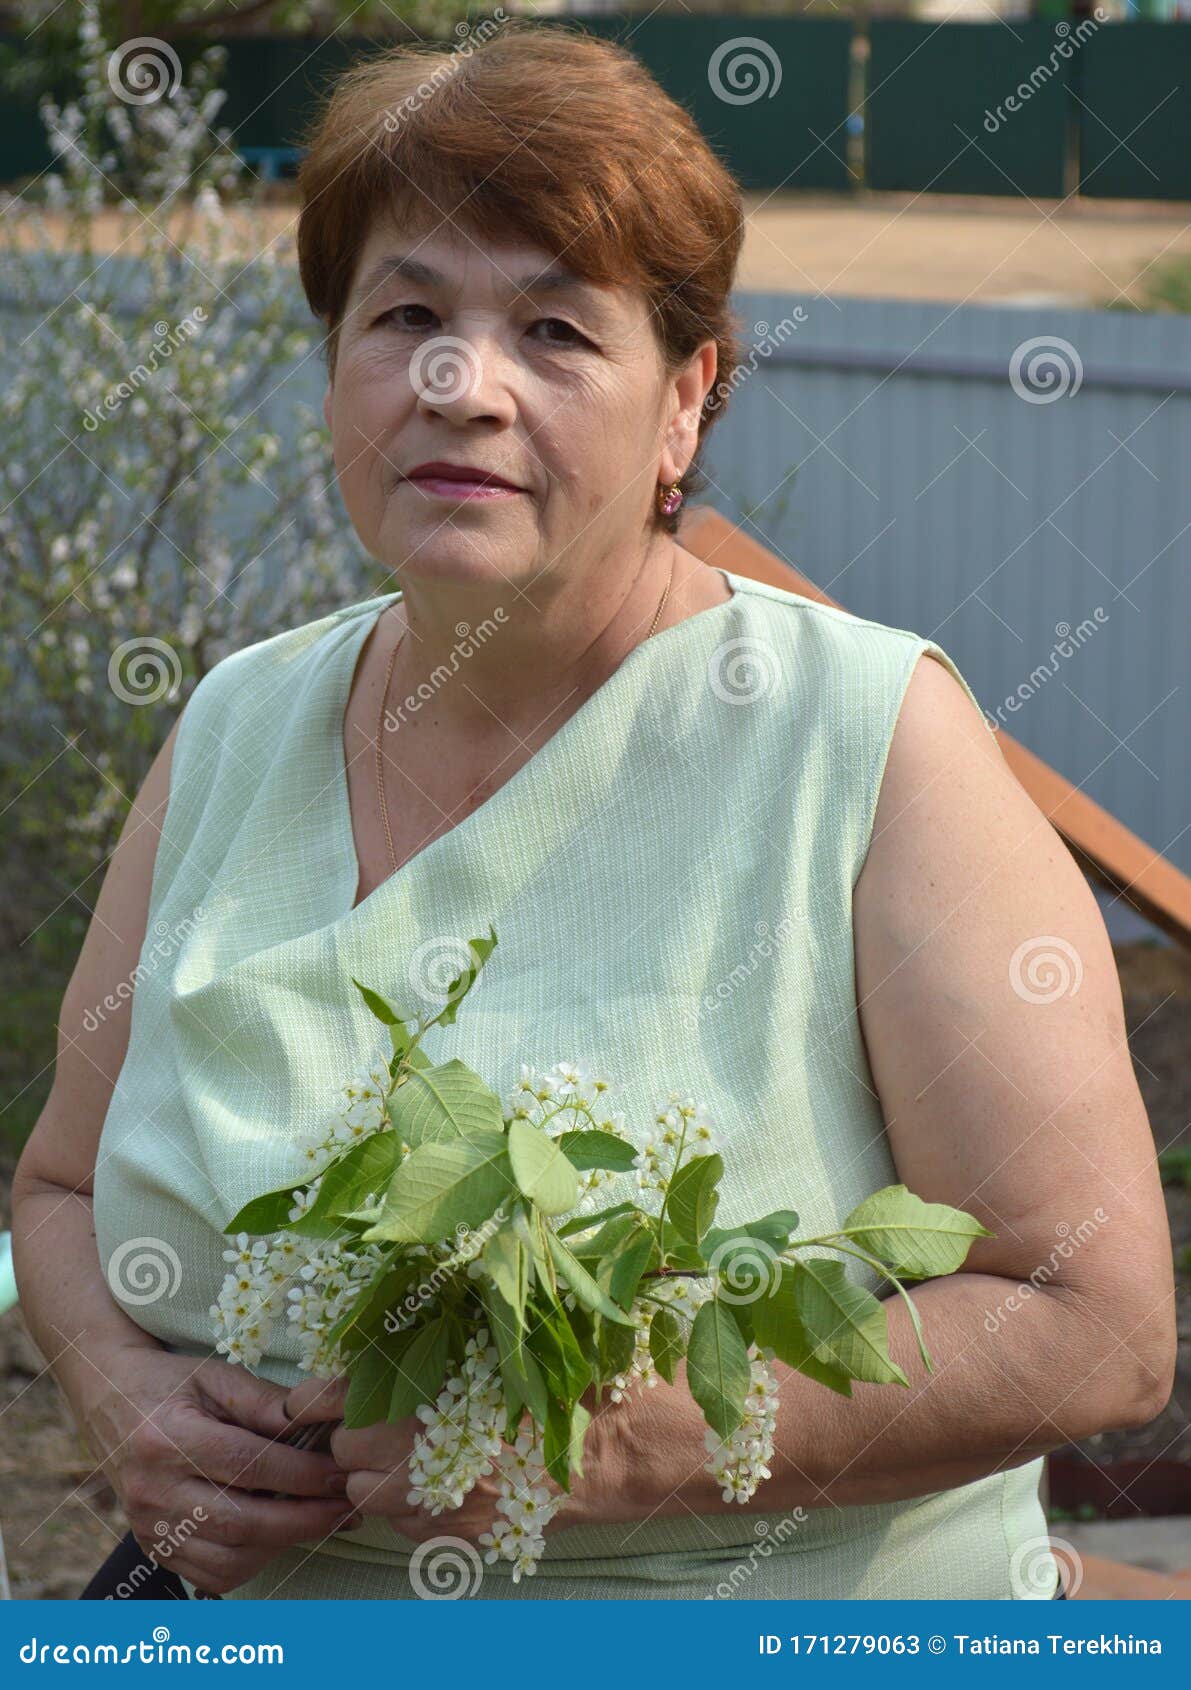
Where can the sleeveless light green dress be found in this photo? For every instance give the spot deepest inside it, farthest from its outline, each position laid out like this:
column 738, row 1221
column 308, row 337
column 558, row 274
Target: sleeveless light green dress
column 670, row 878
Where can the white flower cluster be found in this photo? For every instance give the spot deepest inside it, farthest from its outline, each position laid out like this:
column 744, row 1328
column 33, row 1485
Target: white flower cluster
column 640, row 1369
column 462, row 1431
column 739, row 1463
column 260, row 1285
column 525, row 1507
column 570, row 1098
column 681, row 1129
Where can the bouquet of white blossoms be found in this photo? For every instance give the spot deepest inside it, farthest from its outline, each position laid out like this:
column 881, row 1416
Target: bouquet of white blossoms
column 459, row 1261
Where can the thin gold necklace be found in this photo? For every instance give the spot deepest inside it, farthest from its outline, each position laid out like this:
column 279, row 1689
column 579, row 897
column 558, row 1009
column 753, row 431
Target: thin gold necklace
column 380, row 721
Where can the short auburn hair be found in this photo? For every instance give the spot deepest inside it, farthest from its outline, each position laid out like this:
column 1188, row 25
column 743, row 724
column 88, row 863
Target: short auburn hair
column 542, row 132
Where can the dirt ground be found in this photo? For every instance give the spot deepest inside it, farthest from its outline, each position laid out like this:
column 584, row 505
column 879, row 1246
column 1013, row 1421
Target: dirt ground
column 961, row 248
column 877, row 245
column 60, row 1518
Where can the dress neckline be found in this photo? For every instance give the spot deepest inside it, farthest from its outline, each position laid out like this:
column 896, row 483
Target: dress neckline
column 561, row 737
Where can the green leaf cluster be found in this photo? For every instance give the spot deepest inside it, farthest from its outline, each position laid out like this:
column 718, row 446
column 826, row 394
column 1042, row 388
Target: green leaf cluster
column 480, row 1225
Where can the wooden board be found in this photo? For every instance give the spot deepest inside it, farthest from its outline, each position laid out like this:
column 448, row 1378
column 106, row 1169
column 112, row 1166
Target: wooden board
column 1105, row 849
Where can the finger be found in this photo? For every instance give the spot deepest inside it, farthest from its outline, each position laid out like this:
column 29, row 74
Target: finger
column 237, row 1520
column 384, row 1446
column 236, row 1394
column 316, row 1399
column 235, row 1455
column 375, row 1492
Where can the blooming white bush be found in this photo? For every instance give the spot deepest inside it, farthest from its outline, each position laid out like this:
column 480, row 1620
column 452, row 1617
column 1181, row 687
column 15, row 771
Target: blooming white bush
column 163, row 499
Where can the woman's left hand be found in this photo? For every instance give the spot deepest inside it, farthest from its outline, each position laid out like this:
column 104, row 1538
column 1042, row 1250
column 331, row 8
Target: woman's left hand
column 377, row 1461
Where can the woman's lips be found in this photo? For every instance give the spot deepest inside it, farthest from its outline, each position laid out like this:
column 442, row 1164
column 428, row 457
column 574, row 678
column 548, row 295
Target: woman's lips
column 444, row 487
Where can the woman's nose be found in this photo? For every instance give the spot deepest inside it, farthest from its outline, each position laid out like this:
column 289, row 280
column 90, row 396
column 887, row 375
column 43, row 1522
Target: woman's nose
column 463, row 378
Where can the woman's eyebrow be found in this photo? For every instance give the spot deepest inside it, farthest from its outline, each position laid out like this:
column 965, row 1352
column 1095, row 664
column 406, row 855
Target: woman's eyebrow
column 555, row 279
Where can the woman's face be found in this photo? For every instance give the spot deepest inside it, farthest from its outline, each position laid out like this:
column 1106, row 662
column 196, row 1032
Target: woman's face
column 493, row 358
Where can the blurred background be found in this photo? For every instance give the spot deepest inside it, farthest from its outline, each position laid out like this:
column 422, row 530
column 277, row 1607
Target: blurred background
column 964, row 408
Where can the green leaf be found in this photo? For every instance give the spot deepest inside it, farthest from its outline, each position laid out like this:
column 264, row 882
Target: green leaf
column 521, row 1374
column 770, row 1230
column 665, row 1343
column 595, row 1149
column 562, row 1443
column 442, row 1187
column 615, row 1345
column 580, row 1420
column 917, row 1240
column 608, row 1237
column 692, row 1198
column 845, row 1323
column 505, row 1257
column 267, row 1213
column 582, row 1284
column 631, row 1259
column 717, row 1367
column 365, row 1318
column 380, row 1007
column 542, row 1171
column 368, row 1391
column 445, row 1101
column 580, row 1223
column 367, row 1168
column 463, row 982
column 420, row 1370
column 777, row 1325
column 567, row 1369
column 556, row 1443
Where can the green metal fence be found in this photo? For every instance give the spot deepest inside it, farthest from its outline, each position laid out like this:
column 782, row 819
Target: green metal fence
column 770, row 94
column 961, row 108
column 952, row 108
column 1132, row 88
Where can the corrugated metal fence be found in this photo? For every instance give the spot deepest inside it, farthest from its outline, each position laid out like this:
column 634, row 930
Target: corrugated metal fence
column 1015, row 484
column 972, row 108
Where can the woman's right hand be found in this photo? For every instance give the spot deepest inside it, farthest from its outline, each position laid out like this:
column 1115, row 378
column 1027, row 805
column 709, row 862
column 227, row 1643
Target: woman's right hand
column 184, row 1442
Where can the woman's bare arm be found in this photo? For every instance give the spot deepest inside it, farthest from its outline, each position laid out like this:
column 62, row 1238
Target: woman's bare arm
column 1023, row 1111
column 74, row 1319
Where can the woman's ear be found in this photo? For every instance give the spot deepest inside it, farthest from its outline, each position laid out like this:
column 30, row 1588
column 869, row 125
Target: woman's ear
column 690, row 388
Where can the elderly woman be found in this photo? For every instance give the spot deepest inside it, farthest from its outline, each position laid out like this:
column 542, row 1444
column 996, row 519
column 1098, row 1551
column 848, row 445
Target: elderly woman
column 730, row 840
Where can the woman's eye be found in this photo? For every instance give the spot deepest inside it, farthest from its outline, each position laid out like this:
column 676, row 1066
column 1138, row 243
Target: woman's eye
column 570, row 335
column 396, row 316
